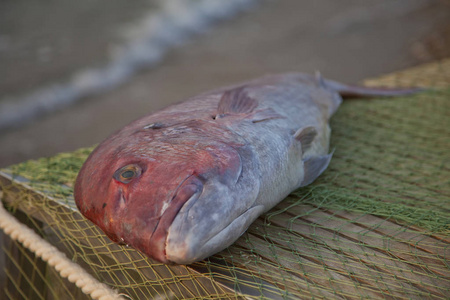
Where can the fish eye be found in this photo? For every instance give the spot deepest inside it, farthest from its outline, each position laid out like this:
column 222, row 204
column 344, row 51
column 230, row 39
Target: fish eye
column 127, row 173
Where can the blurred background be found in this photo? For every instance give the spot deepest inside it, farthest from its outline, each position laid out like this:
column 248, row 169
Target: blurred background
column 73, row 72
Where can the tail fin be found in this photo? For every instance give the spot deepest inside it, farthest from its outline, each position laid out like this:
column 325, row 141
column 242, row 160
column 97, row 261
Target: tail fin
column 353, row 91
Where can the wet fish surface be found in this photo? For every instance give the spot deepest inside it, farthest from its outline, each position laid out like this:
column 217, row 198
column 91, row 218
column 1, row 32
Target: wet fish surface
column 184, row 183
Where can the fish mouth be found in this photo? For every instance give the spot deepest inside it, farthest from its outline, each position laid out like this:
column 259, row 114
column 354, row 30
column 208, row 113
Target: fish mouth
column 188, row 192
column 184, row 246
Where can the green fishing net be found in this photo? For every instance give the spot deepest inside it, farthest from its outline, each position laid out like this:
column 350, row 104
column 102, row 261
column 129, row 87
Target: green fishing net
column 375, row 225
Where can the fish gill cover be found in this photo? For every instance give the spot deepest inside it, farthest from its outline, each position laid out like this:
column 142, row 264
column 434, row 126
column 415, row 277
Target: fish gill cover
column 380, row 212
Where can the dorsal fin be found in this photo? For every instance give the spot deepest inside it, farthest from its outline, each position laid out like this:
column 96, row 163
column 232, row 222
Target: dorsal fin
column 236, row 101
column 305, row 136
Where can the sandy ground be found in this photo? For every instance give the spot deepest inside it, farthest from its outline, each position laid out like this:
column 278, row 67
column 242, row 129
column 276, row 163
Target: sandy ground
column 346, row 40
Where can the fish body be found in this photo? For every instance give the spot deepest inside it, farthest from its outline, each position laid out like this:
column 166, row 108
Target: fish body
column 184, row 183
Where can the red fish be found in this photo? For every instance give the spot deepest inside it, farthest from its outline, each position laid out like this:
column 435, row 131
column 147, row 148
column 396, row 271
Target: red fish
column 184, row 183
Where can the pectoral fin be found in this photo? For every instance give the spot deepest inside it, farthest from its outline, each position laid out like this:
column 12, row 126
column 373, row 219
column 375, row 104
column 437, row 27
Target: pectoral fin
column 313, row 167
column 305, row 136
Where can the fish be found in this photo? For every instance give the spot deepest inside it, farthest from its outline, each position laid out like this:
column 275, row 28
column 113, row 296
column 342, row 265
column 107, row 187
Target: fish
column 186, row 182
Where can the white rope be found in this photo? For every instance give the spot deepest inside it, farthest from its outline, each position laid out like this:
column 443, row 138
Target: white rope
column 55, row 258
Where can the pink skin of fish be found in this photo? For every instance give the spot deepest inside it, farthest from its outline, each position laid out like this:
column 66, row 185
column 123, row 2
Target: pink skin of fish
column 184, row 183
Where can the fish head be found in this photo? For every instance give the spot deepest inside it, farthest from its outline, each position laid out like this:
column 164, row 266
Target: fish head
column 167, row 203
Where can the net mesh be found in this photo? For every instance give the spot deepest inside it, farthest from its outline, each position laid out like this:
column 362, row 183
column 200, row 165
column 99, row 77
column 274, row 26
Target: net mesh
column 375, row 225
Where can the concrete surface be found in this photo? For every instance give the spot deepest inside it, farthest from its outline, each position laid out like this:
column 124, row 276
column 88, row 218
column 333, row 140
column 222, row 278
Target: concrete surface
column 348, row 40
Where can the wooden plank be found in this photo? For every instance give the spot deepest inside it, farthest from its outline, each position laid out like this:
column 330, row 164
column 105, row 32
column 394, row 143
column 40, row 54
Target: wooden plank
column 356, row 242
column 367, row 280
column 434, row 244
column 299, row 259
column 257, row 262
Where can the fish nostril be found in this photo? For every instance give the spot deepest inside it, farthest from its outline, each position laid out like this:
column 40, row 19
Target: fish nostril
column 156, row 125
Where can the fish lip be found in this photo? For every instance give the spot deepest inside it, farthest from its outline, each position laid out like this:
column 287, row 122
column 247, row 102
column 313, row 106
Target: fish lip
column 174, row 195
column 190, row 188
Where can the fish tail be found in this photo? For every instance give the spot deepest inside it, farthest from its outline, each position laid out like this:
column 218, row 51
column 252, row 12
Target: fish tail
column 353, row 91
